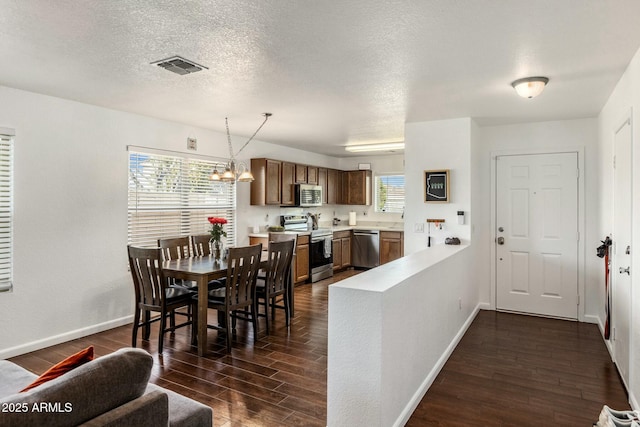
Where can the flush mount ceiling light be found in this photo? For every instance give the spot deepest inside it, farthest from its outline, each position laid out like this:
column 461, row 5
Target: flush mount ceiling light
column 530, row 87
column 233, row 171
column 386, row 146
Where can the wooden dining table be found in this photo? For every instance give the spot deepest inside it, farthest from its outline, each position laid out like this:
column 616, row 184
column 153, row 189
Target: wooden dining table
column 202, row 270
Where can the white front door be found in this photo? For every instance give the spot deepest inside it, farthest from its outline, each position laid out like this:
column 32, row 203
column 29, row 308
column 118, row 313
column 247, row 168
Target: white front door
column 621, row 274
column 537, row 234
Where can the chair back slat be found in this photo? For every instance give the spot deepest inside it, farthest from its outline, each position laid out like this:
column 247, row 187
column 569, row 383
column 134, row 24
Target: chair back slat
column 242, row 269
column 175, row 248
column 148, row 277
column 201, row 245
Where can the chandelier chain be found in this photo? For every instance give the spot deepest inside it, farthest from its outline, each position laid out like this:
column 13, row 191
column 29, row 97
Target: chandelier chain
column 266, row 117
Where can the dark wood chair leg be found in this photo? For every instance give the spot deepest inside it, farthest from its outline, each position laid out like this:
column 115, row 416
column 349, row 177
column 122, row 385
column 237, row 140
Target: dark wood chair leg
column 266, row 313
column 136, row 324
column 194, row 324
column 287, row 311
column 163, row 325
column 229, row 317
column 146, row 328
column 254, row 321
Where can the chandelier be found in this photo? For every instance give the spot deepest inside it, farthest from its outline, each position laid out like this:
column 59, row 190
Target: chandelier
column 233, row 170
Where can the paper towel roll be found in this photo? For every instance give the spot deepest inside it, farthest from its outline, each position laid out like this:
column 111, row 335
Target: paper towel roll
column 352, row 218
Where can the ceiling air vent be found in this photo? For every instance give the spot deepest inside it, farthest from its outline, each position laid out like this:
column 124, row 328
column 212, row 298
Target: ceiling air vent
column 179, row 65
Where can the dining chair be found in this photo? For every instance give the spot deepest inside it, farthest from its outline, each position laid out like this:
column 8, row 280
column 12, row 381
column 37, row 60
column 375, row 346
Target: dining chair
column 277, row 281
column 236, row 300
column 177, row 248
column 153, row 293
column 201, row 245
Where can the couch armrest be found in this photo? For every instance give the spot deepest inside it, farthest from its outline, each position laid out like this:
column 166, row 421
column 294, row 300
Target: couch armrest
column 151, row 409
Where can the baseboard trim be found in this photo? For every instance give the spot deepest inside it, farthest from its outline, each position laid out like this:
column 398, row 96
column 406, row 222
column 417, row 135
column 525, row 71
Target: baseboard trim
column 431, row 377
column 590, row 318
column 67, row 336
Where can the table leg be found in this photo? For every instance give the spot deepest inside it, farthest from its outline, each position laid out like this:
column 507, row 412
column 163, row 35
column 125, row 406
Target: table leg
column 202, row 314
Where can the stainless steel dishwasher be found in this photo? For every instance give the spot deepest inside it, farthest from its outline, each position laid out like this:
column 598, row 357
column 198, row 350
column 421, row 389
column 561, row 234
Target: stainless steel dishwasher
column 366, row 248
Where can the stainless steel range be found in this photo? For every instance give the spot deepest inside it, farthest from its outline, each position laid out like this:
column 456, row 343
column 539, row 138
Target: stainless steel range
column 320, row 246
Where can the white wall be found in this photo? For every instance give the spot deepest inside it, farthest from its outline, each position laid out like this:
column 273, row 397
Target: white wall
column 624, row 99
column 536, row 137
column 391, row 330
column 441, row 144
column 70, row 224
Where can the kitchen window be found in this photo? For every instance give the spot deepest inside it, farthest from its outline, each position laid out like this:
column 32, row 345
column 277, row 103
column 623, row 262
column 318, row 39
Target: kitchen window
column 6, row 210
column 389, row 193
column 172, row 196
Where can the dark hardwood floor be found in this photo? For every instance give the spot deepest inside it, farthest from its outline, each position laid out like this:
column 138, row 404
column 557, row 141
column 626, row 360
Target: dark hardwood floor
column 515, row 370
column 507, row 370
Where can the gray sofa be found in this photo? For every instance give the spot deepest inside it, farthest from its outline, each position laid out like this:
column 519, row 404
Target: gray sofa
column 111, row 391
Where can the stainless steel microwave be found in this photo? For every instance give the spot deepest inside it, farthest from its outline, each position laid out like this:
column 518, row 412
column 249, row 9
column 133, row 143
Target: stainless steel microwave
column 307, row 195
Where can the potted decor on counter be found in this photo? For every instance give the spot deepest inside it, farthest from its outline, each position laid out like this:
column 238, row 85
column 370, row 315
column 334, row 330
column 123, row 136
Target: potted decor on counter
column 217, row 233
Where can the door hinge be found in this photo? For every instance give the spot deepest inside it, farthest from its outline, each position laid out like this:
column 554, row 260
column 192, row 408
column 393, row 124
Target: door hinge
column 578, row 299
column 614, row 162
column 578, row 236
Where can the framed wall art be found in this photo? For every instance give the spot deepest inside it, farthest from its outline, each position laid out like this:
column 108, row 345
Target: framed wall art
column 436, row 186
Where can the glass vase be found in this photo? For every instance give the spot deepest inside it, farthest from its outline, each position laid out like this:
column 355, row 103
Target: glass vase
column 216, row 247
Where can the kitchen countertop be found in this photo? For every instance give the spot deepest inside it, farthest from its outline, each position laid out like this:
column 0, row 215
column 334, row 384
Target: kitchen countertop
column 363, row 226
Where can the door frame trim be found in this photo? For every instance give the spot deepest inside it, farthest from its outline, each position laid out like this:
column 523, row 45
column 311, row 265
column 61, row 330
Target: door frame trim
column 581, row 219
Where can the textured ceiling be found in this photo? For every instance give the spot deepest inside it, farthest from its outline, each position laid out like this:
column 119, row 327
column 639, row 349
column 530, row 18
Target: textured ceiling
column 332, row 72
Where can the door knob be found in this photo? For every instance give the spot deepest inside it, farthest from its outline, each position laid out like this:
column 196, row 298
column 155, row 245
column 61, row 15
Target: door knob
column 500, row 240
column 625, row 270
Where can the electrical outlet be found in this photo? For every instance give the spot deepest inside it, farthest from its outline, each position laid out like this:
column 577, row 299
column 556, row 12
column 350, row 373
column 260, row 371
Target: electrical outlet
column 418, row 227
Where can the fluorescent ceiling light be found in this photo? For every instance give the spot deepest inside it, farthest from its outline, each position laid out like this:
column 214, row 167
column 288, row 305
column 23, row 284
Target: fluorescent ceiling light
column 387, row 146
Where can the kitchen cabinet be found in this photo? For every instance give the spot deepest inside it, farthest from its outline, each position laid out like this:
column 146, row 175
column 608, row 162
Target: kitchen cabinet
column 391, row 246
column 301, row 264
column 341, row 249
column 312, row 175
column 266, row 187
column 322, row 182
column 301, row 174
column 357, row 186
column 255, row 240
column 334, row 186
column 287, row 179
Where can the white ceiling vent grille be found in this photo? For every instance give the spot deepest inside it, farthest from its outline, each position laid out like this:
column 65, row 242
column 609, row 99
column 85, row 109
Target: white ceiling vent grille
column 179, row 65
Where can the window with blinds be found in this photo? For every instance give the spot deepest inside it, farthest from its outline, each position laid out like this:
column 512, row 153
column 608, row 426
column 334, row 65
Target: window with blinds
column 389, row 193
column 6, row 213
column 172, row 196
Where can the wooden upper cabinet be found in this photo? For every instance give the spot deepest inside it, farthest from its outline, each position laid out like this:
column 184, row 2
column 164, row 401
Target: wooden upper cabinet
column 288, row 172
column 312, row 175
column 265, row 189
column 334, row 186
column 322, row 182
column 358, row 187
column 301, row 174
column 275, row 179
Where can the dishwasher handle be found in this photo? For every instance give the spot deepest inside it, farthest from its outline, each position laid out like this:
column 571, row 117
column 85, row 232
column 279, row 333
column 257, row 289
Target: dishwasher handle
column 365, row 232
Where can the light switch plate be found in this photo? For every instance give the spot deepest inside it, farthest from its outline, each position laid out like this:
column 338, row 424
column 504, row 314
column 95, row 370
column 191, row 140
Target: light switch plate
column 418, row 227
column 192, row 144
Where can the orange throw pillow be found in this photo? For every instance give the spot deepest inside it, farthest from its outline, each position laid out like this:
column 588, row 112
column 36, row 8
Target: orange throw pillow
column 80, row 358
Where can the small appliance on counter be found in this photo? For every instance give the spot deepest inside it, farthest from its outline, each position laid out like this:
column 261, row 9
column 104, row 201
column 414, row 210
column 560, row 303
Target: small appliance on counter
column 336, row 221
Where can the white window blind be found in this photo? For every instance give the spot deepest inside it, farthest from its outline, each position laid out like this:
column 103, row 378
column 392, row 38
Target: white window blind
column 172, row 196
column 6, row 213
column 389, row 193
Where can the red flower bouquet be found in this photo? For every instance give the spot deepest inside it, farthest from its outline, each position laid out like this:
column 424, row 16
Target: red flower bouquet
column 217, row 233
